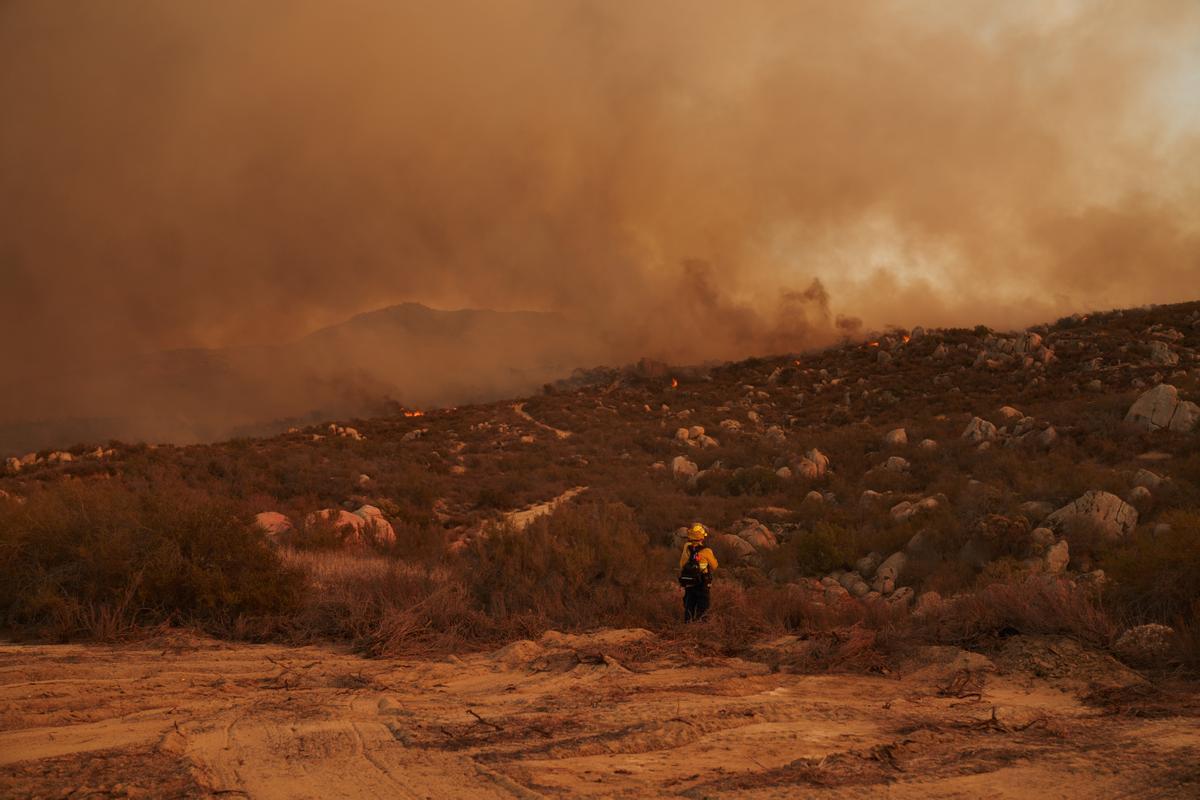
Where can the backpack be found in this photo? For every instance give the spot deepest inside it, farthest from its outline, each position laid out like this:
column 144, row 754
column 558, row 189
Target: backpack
column 692, row 573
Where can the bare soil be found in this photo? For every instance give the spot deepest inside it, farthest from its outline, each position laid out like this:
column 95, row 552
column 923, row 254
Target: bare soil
column 565, row 716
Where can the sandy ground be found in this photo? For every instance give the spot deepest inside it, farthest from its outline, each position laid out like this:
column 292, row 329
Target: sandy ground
column 567, row 717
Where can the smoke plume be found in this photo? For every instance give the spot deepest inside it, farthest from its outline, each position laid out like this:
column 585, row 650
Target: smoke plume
column 685, row 180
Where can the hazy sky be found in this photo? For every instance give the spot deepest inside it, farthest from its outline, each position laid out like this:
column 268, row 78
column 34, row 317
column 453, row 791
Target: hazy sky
column 199, row 172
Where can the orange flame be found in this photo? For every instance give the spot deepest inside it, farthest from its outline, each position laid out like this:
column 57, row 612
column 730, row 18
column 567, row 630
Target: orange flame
column 906, row 339
column 872, row 344
column 414, row 413
column 674, row 383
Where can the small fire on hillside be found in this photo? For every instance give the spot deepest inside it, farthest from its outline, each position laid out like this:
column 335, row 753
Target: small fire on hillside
column 414, row 413
column 674, row 383
column 872, row 344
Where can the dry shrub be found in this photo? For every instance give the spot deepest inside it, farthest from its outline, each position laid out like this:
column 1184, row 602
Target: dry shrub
column 1029, row 605
column 383, row 606
column 815, row 551
column 583, row 566
column 1156, row 577
column 103, row 560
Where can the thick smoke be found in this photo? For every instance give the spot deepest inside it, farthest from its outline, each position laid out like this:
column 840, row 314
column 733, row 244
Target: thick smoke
column 674, row 175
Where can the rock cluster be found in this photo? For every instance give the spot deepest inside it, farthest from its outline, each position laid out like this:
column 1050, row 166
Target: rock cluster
column 1161, row 409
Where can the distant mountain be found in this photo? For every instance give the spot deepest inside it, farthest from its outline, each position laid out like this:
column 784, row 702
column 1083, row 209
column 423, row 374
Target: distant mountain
column 409, row 353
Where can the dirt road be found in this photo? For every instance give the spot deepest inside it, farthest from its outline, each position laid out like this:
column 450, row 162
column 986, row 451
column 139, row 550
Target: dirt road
column 566, row 717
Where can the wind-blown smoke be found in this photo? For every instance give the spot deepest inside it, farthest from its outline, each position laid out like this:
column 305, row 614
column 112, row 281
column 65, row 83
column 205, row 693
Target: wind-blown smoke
column 213, row 174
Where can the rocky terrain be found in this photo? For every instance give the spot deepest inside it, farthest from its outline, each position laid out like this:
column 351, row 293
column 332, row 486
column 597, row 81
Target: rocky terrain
column 991, row 538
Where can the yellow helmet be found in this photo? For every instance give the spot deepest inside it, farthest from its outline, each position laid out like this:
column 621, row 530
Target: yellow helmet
column 697, row 532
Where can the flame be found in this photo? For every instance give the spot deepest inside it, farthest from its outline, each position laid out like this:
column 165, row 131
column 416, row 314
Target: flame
column 674, row 383
column 906, row 339
column 872, row 344
column 414, row 413
column 796, row 362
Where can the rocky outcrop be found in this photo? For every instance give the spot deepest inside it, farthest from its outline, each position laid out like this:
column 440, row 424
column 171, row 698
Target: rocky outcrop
column 273, row 523
column 682, row 468
column 889, row 572
column 1162, row 355
column 979, row 430
column 1114, row 516
column 756, row 534
column 1161, row 409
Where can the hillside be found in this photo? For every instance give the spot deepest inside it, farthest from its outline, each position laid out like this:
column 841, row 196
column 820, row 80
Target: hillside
column 993, row 540
column 970, row 438
column 400, row 353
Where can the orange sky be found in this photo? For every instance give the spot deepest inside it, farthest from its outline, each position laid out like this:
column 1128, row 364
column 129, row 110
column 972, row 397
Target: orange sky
column 216, row 173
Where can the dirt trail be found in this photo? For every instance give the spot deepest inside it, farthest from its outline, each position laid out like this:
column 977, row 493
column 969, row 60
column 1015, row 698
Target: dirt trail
column 561, row 717
column 519, row 408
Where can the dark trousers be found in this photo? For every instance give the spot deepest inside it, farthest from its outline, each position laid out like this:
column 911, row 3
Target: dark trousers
column 695, row 603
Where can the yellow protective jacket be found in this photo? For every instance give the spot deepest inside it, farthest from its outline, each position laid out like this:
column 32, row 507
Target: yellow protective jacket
column 708, row 562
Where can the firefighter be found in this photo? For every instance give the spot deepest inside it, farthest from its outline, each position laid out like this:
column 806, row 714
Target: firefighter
column 696, row 568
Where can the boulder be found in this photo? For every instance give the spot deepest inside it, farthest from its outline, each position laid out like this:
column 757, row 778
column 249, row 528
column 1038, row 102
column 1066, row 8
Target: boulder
column 273, row 523
column 784, row 473
column 979, row 430
column 775, row 435
column 1009, row 414
column 928, row 445
column 682, row 434
column 696, row 431
column 1028, row 342
column 758, row 535
column 1148, row 479
column 1139, row 497
column 1162, row 354
column 681, row 467
column 898, row 437
column 814, row 497
column 805, row 468
column 738, row 548
column 12, row 465
column 1057, row 557
column 867, row 565
column 706, row 441
column 349, row 526
column 1041, row 540
column 1161, row 409
column 731, row 425
column 1116, row 517
column 869, row 498
column 889, row 572
column 896, row 464
column 820, row 460
column 1146, row 644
